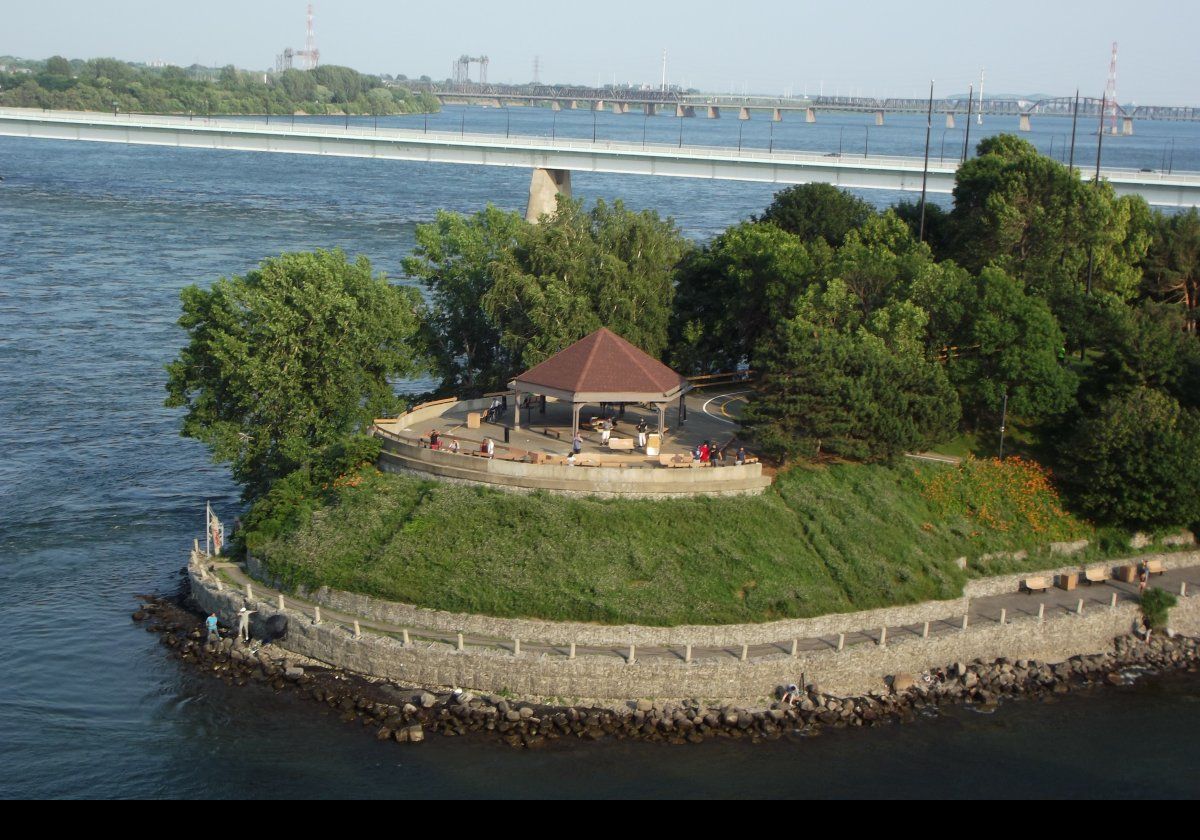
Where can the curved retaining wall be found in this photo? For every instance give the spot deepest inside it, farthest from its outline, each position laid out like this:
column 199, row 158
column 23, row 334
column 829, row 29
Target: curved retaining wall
column 401, row 456
column 700, row 635
column 855, row 670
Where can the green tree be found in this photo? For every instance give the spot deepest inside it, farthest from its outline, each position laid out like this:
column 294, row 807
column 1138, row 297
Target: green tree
column 287, row 362
column 734, row 290
column 817, row 211
column 1136, row 462
column 1172, row 265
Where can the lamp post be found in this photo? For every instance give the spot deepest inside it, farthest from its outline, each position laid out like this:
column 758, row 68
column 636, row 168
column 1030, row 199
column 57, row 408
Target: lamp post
column 645, row 125
column 841, row 130
column 114, row 107
column 771, row 135
column 866, row 140
column 681, row 131
column 942, row 151
column 740, row 136
column 593, row 123
column 925, row 170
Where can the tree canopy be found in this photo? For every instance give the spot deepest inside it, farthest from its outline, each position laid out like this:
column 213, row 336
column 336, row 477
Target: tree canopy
column 285, row 363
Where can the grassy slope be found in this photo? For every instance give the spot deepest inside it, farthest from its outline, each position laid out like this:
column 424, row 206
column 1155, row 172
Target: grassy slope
column 821, row 540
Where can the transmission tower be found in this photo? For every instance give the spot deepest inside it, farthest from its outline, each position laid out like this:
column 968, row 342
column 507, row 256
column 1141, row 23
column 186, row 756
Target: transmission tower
column 310, row 55
column 1110, row 93
column 537, row 70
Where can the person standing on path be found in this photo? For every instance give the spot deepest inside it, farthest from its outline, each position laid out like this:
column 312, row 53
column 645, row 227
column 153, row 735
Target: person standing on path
column 605, row 431
column 641, row 432
column 491, row 448
column 577, row 444
column 243, row 626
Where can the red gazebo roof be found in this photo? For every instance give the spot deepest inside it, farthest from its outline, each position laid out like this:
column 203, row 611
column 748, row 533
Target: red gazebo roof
column 603, row 363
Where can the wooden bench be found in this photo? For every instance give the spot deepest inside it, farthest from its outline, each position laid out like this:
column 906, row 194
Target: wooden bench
column 1155, row 567
column 1095, row 574
column 621, row 443
column 1035, row 584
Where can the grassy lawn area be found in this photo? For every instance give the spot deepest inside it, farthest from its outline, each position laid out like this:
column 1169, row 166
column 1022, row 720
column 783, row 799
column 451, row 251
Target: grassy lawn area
column 828, row 539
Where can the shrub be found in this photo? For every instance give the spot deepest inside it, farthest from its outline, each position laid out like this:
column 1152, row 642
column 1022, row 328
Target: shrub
column 1156, row 606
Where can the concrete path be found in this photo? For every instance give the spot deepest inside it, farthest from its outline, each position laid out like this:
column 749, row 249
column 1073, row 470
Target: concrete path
column 1015, row 607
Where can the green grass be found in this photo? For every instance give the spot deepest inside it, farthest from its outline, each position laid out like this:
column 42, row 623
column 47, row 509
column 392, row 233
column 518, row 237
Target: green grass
column 821, row 540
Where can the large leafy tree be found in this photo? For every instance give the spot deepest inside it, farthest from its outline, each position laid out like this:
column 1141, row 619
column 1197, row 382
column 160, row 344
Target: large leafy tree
column 1136, row 461
column 734, row 290
column 817, row 211
column 286, row 363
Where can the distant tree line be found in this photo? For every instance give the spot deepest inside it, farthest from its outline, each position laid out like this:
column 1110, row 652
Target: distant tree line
column 105, row 84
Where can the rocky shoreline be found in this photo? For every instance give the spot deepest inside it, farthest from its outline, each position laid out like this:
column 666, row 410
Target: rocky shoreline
column 407, row 714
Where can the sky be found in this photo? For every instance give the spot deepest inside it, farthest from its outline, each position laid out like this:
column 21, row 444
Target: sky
column 835, row 47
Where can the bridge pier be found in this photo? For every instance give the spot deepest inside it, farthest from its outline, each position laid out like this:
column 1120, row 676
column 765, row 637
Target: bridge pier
column 777, row 115
column 743, row 113
column 713, row 112
column 620, row 107
column 949, row 119
column 555, row 105
column 574, row 105
column 545, row 187
column 598, row 105
column 1127, row 126
column 685, row 110
column 879, row 118
column 810, row 116
column 1024, row 125
column 650, row 109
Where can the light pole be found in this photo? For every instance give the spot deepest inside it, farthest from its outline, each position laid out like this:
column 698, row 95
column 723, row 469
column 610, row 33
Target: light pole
column 942, row 151
column 866, row 140
column 645, row 125
column 593, row 123
column 553, row 124
column 507, row 122
column 740, row 138
column 771, row 141
column 925, row 170
column 681, row 131
column 841, row 130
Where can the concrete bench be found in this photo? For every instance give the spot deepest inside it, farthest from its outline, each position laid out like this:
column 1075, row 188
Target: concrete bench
column 1035, row 584
column 554, row 433
column 1155, row 567
column 621, row 443
column 674, row 461
column 1095, row 574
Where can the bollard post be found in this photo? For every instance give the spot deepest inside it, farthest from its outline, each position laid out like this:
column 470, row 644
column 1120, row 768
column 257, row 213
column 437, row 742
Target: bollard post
column 572, row 655
column 1183, row 589
column 925, row 631
column 196, row 546
column 745, row 652
column 841, row 641
column 1041, row 612
column 405, row 637
column 883, row 636
column 795, row 648
column 632, row 651
column 357, row 630
column 1003, row 616
column 1079, row 607
column 1113, row 601
column 966, row 618
column 516, row 647
column 220, row 586
column 281, row 608
column 249, row 593
column 687, row 653
column 460, row 640
column 316, row 615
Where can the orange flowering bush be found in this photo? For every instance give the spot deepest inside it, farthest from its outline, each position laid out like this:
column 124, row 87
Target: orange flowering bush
column 1002, row 495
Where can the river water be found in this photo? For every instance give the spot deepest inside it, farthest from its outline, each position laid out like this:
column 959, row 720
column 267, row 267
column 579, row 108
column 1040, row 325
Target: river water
column 100, row 497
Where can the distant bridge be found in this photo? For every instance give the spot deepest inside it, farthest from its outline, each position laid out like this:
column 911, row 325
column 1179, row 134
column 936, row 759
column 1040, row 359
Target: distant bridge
column 673, row 102
column 551, row 159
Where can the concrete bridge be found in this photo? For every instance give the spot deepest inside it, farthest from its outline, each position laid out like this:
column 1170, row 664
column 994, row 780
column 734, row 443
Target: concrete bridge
column 550, row 159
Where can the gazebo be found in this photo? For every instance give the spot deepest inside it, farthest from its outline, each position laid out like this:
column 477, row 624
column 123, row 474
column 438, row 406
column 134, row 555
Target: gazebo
column 601, row 368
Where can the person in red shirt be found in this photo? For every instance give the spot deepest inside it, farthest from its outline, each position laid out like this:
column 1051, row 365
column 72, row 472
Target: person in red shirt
column 704, row 452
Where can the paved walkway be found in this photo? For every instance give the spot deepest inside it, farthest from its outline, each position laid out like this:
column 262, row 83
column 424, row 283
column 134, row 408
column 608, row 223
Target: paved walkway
column 1015, row 607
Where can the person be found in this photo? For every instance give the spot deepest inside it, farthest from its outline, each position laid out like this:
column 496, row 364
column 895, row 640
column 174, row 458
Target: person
column 454, row 445
column 571, row 460
column 715, row 456
column 704, row 452
column 741, row 455
column 210, row 624
column 489, row 446
column 641, row 432
column 494, row 411
column 243, row 627
column 789, row 694
column 577, row 444
column 605, row 431
column 696, row 452
column 434, row 440
column 1143, row 578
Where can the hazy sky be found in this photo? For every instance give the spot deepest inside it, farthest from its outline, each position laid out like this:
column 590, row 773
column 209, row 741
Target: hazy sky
column 867, row 48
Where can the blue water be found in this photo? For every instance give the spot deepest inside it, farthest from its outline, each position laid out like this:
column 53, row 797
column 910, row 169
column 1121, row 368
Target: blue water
column 100, row 497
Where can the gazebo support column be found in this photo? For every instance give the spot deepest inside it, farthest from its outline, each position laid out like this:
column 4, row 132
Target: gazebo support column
column 517, row 410
column 662, row 417
column 575, row 407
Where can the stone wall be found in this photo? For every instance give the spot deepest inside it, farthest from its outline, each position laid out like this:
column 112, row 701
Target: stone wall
column 609, row 679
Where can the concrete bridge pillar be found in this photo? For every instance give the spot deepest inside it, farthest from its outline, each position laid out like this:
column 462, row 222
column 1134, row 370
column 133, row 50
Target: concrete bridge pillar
column 545, row 187
column 1127, row 126
column 685, row 110
column 743, row 113
column 598, row 105
column 777, row 115
column 1024, row 125
column 879, row 118
column 810, row 116
column 650, row 109
column 574, row 104
column 555, row 105
column 949, row 119
column 620, row 107
column 714, row 112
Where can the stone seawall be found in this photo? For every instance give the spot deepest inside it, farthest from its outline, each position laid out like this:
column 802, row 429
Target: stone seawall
column 608, row 679
column 721, row 635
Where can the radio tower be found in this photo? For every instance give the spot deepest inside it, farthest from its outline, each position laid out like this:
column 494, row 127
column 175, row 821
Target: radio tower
column 1110, row 93
column 310, row 54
